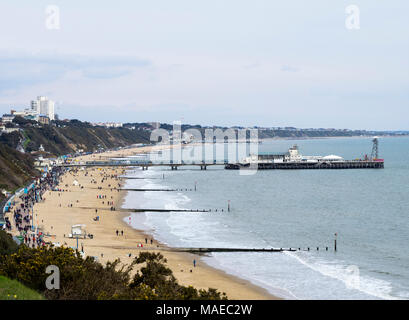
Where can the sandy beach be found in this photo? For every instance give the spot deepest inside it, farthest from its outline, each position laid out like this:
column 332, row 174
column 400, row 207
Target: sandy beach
column 91, row 192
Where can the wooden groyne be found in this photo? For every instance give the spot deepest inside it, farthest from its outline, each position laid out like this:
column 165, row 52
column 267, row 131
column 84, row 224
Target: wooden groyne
column 154, row 210
column 173, row 210
column 142, row 189
column 210, row 250
column 140, row 178
column 201, row 250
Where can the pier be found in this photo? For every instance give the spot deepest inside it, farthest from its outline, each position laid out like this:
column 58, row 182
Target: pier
column 307, row 165
column 351, row 164
column 145, row 164
column 261, row 161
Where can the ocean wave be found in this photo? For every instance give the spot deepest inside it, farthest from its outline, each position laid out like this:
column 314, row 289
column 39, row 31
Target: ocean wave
column 345, row 273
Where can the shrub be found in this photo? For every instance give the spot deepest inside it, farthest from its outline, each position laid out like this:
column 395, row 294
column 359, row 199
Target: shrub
column 79, row 278
column 87, row 279
column 160, row 278
column 7, row 244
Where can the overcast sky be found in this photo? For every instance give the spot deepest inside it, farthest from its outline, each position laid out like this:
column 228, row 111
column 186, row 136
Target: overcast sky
column 223, row 62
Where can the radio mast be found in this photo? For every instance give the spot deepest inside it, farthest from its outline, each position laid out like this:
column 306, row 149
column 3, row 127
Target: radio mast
column 375, row 153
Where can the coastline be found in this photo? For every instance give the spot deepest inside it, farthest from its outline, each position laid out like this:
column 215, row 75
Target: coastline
column 79, row 203
column 208, row 276
column 237, row 288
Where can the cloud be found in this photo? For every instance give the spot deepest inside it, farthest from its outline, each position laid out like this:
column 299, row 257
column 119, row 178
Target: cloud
column 252, row 65
column 19, row 70
column 287, row 68
column 106, row 72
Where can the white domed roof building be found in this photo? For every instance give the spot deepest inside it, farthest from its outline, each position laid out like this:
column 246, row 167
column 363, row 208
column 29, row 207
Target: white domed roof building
column 332, row 157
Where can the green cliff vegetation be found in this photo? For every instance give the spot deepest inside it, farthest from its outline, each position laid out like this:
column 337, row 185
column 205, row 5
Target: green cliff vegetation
column 7, row 244
column 64, row 137
column 16, row 168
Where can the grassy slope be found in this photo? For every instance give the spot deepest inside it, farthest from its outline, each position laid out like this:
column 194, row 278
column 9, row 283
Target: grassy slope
column 14, row 290
column 16, row 168
column 71, row 138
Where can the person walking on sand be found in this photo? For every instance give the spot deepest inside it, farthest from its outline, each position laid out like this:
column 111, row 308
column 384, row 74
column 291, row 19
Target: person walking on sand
column 194, row 263
column 146, row 240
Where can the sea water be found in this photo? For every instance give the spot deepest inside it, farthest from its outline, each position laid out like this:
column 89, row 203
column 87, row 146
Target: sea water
column 367, row 208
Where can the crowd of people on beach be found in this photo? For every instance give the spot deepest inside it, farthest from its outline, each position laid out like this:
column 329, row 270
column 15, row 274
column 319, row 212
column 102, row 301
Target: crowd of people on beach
column 34, row 240
column 22, row 207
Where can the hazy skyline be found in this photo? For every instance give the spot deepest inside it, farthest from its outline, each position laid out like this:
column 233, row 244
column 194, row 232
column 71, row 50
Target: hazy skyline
column 265, row 63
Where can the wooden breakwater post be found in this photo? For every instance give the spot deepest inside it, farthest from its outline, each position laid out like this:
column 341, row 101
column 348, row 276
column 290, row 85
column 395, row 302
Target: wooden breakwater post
column 211, row 250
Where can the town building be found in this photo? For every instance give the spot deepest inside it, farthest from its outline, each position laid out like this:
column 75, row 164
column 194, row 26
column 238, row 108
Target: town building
column 43, row 119
column 40, row 110
column 7, row 118
column 44, row 107
column 26, row 114
column 108, row 124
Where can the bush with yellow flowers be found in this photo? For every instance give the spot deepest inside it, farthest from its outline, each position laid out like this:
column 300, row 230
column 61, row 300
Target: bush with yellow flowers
column 88, row 279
